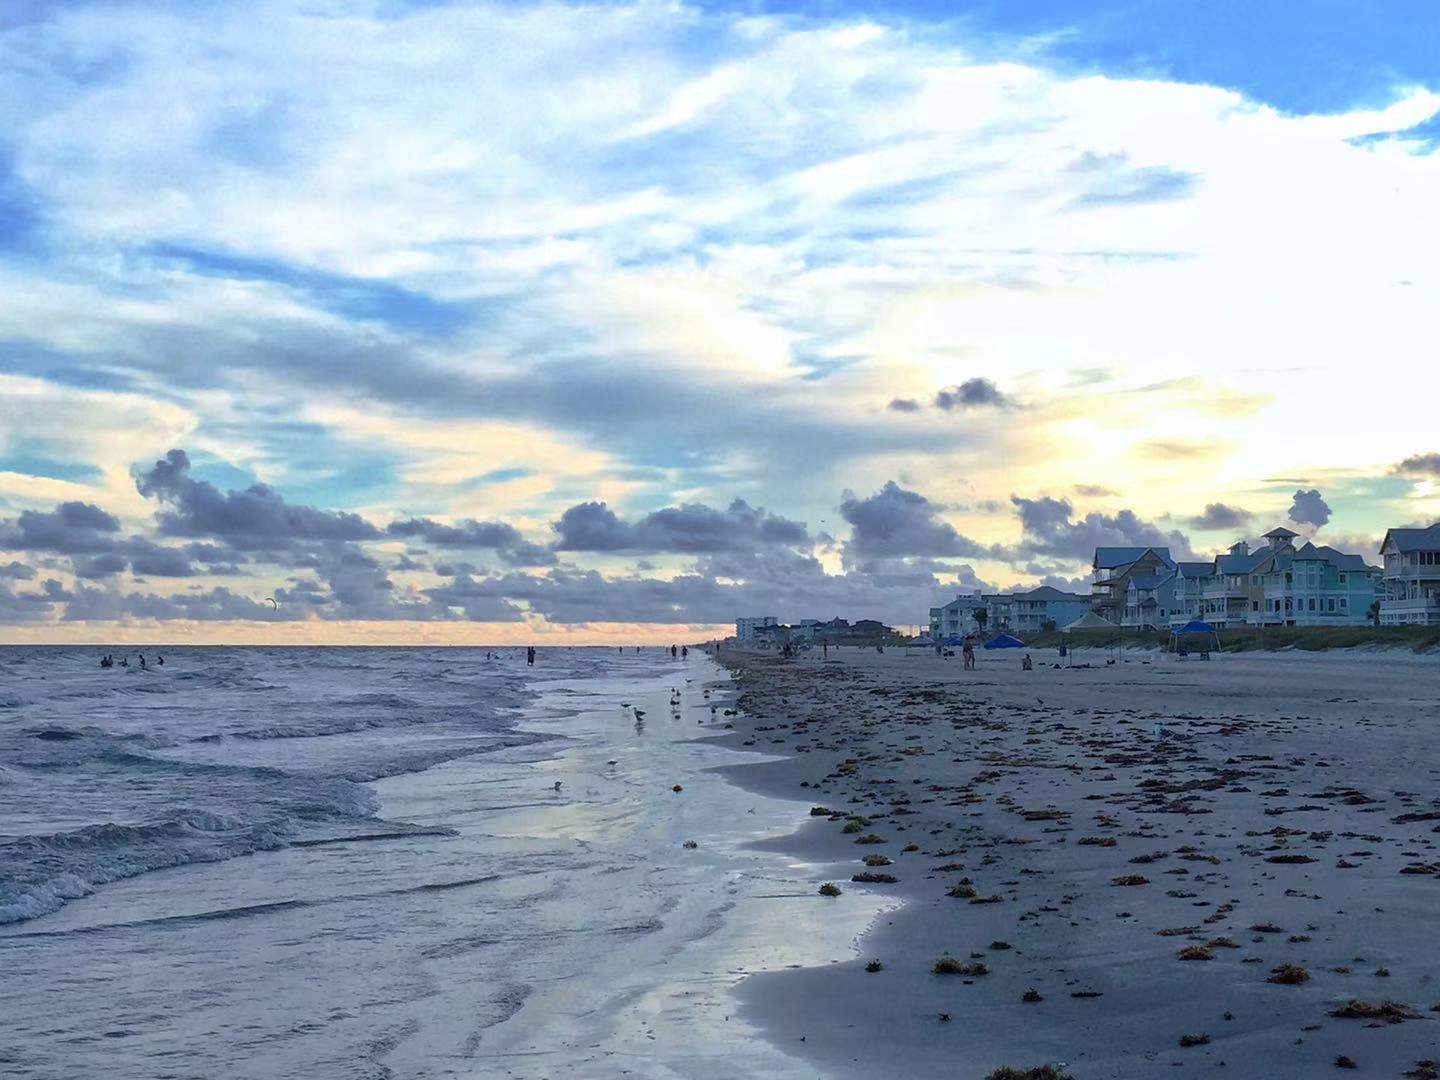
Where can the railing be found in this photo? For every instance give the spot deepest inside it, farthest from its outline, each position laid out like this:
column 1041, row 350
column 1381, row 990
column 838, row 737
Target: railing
column 1406, row 607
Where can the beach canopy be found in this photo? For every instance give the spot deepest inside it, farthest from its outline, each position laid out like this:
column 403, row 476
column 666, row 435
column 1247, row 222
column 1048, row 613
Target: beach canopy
column 1089, row 621
column 1194, row 626
column 1004, row 641
column 953, row 640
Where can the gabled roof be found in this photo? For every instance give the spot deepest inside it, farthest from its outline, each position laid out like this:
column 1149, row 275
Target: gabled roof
column 1149, row 581
column 1281, row 532
column 1110, row 558
column 1427, row 539
column 1324, row 553
column 1241, row 564
column 1052, row 594
column 1090, row 621
column 1195, row 569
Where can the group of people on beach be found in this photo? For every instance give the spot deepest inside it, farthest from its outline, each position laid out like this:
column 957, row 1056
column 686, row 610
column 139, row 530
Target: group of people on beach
column 108, row 661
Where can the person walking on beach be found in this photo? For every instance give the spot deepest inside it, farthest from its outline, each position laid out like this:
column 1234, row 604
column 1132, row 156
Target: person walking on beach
column 672, row 652
column 684, row 652
column 968, row 652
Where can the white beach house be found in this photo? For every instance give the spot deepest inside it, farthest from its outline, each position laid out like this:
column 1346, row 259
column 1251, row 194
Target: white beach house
column 1411, row 577
column 1038, row 609
column 957, row 618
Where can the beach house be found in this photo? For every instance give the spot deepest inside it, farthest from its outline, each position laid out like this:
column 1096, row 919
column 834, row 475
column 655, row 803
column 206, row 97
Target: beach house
column 1235, row 588
column 1113, row 567
column 957, row 618
column 1038, row 609
column 1151, row 599
column 1318, row 586
column 1411, row 577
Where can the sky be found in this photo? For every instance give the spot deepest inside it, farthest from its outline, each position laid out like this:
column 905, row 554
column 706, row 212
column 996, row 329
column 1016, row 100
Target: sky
column 389, row 321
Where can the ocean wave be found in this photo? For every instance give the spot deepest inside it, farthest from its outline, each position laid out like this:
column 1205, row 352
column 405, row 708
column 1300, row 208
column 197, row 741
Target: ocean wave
column 40, row 874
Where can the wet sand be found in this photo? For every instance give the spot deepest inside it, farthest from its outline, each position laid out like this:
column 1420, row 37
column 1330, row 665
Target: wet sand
column 1275, row 818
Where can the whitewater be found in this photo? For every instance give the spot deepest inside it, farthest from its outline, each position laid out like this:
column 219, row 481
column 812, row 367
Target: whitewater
column 378, row 862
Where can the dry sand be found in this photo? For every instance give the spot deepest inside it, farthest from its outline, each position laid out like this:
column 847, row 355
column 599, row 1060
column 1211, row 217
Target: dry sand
column 1270, row 809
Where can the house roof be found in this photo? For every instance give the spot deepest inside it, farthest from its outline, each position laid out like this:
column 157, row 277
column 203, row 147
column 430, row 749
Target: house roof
column 1110, row 558
column 1090, row 621
column 1241, row 564
column 1281, row 532
column 1052, row 594
column 1338, row 559
column 1427, row 539
column 1195, row 569
column 964, row 603
column 1149, row 581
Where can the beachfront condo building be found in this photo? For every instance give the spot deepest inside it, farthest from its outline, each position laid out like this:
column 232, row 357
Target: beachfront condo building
column 1410, row 593
column 745, row 628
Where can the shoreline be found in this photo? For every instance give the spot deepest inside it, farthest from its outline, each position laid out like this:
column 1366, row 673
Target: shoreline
column 1114, row 752
column 660, row 1002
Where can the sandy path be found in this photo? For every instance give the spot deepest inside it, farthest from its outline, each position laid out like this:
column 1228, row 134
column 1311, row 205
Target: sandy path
column 1275, row 809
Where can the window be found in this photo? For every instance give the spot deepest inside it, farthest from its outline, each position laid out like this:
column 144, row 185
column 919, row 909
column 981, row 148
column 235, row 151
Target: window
column 1312, row 603
column 1344, row 603
column 1344, row 577
column 1254, row 605
column 1332, row 603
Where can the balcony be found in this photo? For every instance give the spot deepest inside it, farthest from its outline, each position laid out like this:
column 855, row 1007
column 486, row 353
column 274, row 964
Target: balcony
column 1420, row 606
column 1223, row 591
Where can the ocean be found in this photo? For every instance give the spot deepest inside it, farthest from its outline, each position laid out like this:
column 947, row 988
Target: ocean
column 356, row 862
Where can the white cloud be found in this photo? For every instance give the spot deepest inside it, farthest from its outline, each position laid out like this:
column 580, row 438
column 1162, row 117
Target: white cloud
column 729, row 201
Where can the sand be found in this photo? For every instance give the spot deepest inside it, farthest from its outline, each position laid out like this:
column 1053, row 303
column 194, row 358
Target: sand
column 1266, row 809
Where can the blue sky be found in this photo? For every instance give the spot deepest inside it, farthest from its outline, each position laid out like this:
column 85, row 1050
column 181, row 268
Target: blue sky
column 489, row 263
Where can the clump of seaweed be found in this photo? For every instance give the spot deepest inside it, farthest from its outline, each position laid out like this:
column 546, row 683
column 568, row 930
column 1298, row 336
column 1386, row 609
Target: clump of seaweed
column 1288, row 975
column 829, row 889
column 949, row 965
column 1392, row 1012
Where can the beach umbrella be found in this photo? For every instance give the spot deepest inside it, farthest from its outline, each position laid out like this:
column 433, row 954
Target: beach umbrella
column 1004, row 641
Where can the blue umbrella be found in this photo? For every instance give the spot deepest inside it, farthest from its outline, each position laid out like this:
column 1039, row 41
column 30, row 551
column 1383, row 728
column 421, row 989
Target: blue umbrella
column 1194, row 626
column 1004, row 641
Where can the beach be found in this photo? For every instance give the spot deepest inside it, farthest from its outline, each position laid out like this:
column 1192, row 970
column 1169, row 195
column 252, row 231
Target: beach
column 611, row 865
column 1155, row 866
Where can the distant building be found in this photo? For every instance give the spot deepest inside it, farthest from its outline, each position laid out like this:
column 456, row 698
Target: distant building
column 957, row 618
column 1020, row 612
column 1411, row 577
column 745, row 628
column 1031, row 612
